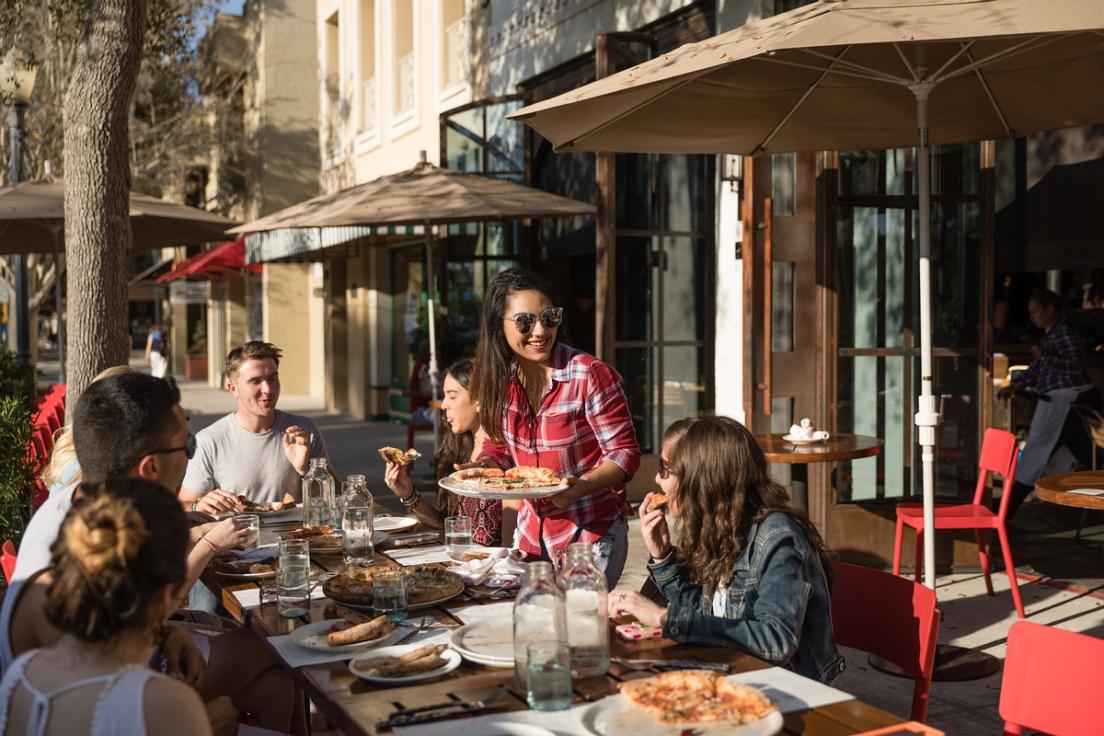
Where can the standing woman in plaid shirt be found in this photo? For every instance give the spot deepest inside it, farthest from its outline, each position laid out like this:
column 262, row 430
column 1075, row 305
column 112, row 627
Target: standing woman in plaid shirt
column 547, row 404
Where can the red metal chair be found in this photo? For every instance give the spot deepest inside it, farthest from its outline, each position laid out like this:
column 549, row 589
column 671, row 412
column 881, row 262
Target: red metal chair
column 1052, row 681
column 889, row 617
column 7, row 559
column 999, row 453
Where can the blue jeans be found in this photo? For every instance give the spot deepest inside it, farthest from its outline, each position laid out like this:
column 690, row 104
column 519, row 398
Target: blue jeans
column 609, row 552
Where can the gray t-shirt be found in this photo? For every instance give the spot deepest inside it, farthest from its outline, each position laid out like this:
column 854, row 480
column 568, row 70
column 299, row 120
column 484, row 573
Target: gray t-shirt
column 251, row 464
column 43, row 529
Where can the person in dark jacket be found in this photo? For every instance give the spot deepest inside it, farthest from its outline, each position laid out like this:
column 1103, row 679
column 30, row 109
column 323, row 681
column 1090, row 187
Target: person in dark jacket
column 749, row 569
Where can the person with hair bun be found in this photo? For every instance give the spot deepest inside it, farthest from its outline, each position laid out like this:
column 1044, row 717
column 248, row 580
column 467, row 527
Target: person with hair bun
column 749, row 569
column 118, row 564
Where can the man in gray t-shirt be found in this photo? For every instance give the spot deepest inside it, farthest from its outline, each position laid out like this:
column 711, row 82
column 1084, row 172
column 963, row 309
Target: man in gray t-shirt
column 257, row 451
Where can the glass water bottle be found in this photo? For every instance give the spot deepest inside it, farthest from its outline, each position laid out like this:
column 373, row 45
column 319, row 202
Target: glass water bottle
column 584, row 587
column 358, row 522
column 318, row 494
column 538, row 615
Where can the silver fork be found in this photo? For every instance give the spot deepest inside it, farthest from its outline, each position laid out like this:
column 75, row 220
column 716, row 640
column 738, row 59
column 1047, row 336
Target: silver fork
column 427, row 623
column 426, row 713
column 638, row 665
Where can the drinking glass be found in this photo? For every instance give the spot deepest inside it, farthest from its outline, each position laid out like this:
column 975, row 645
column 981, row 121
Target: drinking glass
column 252, row 522
column 293, row 578
column 458, row 536
column 389, row 594
column 548, row 672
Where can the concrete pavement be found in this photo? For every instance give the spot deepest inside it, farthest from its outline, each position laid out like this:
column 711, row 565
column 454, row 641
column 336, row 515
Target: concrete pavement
column 1062, row 583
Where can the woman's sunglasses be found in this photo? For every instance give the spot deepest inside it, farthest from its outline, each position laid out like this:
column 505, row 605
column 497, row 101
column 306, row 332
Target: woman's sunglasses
column 551, row 317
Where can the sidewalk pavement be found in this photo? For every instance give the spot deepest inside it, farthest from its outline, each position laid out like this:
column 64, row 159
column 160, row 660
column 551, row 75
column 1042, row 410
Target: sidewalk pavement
column 1062, row 582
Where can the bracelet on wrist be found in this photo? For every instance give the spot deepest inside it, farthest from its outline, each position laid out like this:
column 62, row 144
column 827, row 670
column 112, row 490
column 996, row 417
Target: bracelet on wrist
column 194, row 505
column 412, row 501
column 212, row 545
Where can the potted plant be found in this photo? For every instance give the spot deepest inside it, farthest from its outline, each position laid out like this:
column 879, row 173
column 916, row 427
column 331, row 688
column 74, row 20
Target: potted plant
column 195, row 360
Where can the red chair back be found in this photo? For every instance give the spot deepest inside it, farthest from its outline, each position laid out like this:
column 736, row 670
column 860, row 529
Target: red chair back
column 999, row 453
column 7, row 559
column 889, row 617
column 1052, row 681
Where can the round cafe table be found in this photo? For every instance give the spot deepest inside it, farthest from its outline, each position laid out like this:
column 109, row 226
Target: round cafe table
column 1056, row 489
column 835, row 449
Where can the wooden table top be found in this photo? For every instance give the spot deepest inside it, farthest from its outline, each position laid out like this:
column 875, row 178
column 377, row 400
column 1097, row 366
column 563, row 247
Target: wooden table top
column 356, row 706
column 1056, row 489
column 835, row 448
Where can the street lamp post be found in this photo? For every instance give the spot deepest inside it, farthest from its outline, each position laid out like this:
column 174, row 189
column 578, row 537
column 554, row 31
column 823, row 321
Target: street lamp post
column 17, row 80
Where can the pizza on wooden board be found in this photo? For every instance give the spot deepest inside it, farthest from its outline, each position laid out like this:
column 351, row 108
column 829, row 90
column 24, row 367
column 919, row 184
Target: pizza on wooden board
column 424, row 584
column 696, row 696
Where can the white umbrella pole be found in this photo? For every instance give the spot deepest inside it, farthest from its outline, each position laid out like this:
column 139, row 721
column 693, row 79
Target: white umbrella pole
column 431, row 318
column 927, row 414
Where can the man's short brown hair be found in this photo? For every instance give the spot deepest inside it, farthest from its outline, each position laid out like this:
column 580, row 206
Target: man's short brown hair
column 252, row 350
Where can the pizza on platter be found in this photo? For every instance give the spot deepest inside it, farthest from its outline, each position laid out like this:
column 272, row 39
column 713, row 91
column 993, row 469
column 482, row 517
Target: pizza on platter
column 697, row 696
column 520, row 478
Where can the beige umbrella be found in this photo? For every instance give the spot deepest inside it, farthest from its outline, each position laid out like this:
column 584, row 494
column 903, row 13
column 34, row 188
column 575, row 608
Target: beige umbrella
column 424, row 195
column 32, row 220
column 841, row 74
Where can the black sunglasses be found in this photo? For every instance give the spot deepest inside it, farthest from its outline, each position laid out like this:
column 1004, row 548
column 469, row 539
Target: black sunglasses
column 189, row 448
column 664, row 468
column 551, row 317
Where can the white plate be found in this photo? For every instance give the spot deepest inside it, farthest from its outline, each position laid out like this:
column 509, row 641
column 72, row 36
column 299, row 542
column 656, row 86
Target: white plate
column 393, row 523
column 313, row 636
column 484, row 642
column 615, row 715
column 452, row 661
column 796, row 441
column 473, row 490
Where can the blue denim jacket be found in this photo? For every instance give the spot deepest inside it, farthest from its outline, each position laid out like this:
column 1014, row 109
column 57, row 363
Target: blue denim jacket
column 778, row 607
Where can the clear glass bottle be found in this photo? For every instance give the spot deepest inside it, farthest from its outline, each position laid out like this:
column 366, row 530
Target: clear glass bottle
column 358, row 522
column 318, row 494
column 584, row 587
column 538, row 615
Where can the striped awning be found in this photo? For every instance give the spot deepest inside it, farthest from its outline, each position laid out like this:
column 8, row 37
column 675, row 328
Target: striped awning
column 311, row 242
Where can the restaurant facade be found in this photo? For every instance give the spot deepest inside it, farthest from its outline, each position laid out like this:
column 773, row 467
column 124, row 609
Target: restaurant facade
column 769, row 288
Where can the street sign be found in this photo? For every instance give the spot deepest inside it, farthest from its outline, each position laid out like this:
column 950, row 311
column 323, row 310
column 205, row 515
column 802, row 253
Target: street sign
column 189, row 292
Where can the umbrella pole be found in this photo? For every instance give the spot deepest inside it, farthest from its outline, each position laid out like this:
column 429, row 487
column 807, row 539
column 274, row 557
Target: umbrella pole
column 927, row 414
column 431, row 315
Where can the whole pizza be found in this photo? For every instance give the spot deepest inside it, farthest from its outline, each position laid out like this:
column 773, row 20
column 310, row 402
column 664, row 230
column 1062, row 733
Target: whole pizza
column 696, row 696
column 424, row 584
column 520, row 478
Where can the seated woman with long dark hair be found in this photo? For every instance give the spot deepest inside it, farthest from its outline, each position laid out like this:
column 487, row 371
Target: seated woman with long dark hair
column 463, row 440
column 749, row 569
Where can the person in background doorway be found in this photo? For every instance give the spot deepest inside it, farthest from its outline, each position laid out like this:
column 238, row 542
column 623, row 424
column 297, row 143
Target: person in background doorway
column 157, row 354
column 1057, row 375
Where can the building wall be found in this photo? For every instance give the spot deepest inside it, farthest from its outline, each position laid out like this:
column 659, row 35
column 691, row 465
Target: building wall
column 288, row 318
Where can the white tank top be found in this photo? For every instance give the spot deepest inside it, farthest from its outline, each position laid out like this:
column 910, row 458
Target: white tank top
column 119, row 708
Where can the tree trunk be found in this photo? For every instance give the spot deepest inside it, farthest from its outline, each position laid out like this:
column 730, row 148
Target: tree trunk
column 97, row 187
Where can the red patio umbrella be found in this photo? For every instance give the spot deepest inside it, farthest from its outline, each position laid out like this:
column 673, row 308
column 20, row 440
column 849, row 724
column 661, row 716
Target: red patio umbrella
column 222, row 260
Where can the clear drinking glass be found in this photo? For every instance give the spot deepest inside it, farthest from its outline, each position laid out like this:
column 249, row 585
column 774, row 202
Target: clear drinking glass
column 252, row 522
column 549, row 675
column 389, row 594
column 293, row 578
column 458, row 536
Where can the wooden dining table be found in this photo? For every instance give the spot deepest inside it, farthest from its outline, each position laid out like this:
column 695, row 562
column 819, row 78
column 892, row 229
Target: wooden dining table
column 1056, row 489
column 836, row 448
column 355, row 706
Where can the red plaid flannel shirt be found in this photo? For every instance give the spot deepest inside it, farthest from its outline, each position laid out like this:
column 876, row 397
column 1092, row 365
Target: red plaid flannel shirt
column 583, row 421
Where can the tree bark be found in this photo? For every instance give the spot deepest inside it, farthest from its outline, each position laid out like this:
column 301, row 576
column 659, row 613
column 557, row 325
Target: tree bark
column 97, row 187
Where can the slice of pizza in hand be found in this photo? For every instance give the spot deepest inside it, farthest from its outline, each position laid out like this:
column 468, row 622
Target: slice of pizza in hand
column 397, row 456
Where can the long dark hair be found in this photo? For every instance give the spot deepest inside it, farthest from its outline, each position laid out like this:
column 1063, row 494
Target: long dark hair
column 120, row 543
column 454, row 447
column 490, row 381
column 723, row 486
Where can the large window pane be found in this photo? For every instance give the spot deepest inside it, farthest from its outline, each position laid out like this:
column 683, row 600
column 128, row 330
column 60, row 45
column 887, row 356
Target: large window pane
column 872, row 403
column 636, row 366
column 636, row 287
column 682, row 266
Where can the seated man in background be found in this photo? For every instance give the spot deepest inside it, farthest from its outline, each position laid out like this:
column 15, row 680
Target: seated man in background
column 256, row 451
column 1057, row 375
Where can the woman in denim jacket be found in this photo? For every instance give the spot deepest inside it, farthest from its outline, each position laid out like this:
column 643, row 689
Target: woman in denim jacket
column 749, row 569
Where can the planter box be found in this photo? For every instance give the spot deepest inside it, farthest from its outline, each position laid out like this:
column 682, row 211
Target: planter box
column 195, row 366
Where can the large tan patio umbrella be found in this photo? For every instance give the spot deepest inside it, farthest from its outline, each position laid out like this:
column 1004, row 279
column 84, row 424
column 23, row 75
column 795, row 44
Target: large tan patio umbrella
column 847, row 74
column 424, row 196
column 32, row 220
